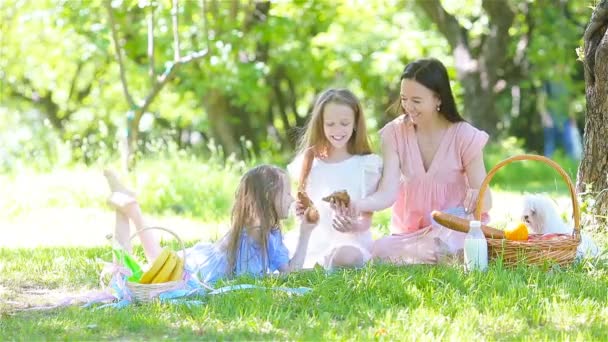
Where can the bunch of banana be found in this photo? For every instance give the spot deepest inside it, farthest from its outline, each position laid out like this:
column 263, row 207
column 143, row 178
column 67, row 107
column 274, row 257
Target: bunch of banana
column 167, row 267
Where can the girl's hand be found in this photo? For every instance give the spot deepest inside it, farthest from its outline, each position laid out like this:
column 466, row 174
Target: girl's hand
column 304, row 223
column 345, row 219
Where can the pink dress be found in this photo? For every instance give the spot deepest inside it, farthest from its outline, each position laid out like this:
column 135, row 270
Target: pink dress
column 443, row 186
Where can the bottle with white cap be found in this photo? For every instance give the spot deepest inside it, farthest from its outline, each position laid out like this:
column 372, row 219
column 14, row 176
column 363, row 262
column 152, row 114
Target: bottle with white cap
column 475, row 248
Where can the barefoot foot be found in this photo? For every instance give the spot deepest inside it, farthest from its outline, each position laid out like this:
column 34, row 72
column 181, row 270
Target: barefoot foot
column 115, row 184
column 120, row 201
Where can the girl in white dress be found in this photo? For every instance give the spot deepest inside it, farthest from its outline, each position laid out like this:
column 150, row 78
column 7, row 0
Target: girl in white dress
column 335, row 155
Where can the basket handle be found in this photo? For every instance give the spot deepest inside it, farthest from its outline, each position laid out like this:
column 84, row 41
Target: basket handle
column 576, row 214
column 181, row 243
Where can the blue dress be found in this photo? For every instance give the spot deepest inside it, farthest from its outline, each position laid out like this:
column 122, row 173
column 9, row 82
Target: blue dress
column 209, row 261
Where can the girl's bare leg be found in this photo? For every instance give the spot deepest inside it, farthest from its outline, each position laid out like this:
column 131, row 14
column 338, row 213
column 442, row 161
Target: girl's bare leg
column 148, row 239
column 122, row 231
column 124, row 202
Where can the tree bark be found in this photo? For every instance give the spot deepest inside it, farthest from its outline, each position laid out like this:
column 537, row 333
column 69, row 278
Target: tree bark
column 594, row 166
column 218, row 111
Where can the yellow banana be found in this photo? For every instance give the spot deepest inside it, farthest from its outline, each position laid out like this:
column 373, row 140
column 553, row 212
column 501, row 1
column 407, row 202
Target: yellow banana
column 157, row 265
column 178, row 271
column 164, row 274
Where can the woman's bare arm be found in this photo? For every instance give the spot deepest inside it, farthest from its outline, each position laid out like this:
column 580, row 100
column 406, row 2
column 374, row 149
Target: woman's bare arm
column 388, row 188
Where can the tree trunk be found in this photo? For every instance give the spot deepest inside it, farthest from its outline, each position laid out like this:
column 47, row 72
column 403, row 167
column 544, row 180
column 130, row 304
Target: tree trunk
column 479, row 103
column 479, row 66
column 594, row 166
column 218, row 111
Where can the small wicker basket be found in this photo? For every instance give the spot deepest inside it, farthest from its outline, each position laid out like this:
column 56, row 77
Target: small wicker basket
column 533, row 252
column 147, row 292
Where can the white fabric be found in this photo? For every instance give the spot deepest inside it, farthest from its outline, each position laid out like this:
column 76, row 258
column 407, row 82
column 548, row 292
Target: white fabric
column 359, row 176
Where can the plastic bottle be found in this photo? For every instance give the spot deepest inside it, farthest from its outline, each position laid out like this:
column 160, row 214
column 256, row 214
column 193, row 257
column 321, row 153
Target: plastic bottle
column 475, row 248
column 121, row 256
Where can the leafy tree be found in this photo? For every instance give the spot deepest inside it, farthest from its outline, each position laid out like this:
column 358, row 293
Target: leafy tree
column 502, row 52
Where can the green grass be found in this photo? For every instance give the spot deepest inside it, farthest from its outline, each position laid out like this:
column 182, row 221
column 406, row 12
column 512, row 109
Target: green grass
column 203, row 188
column 378, row 301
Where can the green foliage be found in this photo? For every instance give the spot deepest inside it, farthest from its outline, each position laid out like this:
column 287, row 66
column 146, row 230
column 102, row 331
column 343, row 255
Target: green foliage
column 201, row 184
column 259, row 78
column 188, row 185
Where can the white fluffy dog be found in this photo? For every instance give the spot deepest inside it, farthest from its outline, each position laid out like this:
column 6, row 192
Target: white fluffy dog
column 541, row 216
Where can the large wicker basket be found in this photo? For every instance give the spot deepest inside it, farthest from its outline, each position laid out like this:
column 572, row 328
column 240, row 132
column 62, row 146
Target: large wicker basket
column 533, row 252
column 146, row 292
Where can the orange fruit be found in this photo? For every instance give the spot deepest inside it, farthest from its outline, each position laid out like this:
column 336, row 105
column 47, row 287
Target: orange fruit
column 517, row 231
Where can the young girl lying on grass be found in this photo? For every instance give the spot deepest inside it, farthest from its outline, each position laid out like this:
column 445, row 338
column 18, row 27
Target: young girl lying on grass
column 253, row 245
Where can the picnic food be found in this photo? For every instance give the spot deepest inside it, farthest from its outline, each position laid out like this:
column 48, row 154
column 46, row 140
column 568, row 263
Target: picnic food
column 178, row 271
column 166, row 267
column 311, row 213
column 336, row 197
column 516, row 231
column 462, row 225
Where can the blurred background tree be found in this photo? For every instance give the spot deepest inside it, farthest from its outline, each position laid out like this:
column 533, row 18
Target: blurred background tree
column 260, row 65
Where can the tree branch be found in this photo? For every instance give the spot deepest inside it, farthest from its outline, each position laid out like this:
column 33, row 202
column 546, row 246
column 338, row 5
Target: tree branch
column 174, row 21
column 49, row 108
column 205, row 22
column 151, row 72
column 292, row 97
column 123, row 77
column 234, row 8
column 501, row 19
column 166, row 76
column 74, row 80
column 519, row 67
column 446, row 23
column 524, row 41
column 454, row 33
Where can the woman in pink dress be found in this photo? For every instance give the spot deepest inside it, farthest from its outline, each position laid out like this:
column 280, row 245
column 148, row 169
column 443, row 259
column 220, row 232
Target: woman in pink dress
column 433, row 160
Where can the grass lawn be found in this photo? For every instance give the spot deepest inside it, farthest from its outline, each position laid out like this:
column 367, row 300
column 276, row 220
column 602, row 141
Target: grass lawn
column 378, row 301
column 53, row 233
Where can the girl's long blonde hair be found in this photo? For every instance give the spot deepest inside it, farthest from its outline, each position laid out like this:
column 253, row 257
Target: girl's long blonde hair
column 255, row 201
column 314, row 143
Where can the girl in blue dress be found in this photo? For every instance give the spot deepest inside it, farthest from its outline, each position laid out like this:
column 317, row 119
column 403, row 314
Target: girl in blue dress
column 253, row 245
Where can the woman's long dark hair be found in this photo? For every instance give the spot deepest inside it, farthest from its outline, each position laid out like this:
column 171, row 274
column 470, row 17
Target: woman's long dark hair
column 431, row 73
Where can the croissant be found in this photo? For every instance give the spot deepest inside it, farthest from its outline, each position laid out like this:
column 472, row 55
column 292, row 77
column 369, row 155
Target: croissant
column 310, row 212
column 338, row 197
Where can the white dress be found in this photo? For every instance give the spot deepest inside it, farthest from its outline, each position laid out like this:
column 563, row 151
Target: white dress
column 359, row 176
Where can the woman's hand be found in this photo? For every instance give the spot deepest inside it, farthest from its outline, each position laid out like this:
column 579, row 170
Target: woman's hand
column 470, row 201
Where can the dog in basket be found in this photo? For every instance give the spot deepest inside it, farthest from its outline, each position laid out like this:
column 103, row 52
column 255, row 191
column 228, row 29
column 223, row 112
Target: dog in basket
column 541, row 216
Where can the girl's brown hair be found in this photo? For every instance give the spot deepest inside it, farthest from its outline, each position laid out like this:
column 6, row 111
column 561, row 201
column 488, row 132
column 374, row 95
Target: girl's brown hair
column 255, row 201
column 314, row 143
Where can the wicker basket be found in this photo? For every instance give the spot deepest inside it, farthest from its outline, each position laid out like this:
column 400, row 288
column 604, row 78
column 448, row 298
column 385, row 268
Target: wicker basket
column 147, row 292
column 533, row 252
